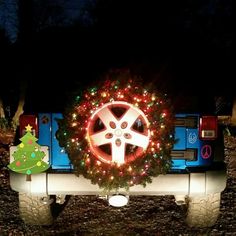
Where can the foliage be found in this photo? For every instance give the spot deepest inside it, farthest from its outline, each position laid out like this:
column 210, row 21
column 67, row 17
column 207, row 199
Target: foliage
column 7, row 131
column 5, row 123
column 119, row 85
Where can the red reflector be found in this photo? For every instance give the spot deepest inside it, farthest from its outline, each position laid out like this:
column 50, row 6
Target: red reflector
column 208, row 127
column 28, row 120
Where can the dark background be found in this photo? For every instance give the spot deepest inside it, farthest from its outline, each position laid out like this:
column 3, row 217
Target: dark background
column 185, row 48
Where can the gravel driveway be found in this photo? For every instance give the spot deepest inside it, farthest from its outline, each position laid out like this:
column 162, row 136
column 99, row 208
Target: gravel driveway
column 89, row 215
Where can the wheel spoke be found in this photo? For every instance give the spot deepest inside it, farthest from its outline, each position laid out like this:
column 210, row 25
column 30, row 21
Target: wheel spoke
column 106, row 117
column 138, row 139
column 118, row 153
column 130, row 117
column 99, row 139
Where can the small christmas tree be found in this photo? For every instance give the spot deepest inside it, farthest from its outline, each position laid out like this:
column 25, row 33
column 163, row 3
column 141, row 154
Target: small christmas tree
column 28, row 159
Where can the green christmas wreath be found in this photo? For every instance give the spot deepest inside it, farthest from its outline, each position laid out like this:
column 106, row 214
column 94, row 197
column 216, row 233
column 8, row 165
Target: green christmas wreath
column 119, row 133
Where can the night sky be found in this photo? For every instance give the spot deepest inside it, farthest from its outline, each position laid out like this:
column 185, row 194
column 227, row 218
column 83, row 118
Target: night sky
column 183, row 47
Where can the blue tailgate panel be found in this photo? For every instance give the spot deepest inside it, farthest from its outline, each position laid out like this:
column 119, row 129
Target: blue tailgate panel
column 60, row 159
column 47, row 136
column 45, row 124
column 180, row 135
column 188, row 139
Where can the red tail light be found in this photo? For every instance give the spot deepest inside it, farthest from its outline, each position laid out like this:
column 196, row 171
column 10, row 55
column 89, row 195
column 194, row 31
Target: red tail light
column 28, row 120
column 208, row 127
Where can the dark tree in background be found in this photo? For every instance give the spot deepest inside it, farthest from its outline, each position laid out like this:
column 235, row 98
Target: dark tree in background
column 25, row 22
column 186, row 46
column 193, row 37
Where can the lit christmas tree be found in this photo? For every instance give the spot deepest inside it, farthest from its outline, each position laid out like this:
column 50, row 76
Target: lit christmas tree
column 28, row 159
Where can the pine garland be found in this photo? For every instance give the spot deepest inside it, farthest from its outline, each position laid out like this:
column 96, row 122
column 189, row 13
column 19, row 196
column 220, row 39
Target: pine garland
column 119, row 86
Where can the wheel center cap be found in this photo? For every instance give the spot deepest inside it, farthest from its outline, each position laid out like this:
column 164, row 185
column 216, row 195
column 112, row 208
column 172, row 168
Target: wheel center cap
column 118, row 132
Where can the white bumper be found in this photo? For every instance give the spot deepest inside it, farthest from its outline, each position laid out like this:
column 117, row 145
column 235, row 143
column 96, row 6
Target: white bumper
column 68, row 184
column 170, row 184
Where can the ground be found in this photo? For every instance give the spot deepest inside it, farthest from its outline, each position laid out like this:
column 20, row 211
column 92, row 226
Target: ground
column 90, row 215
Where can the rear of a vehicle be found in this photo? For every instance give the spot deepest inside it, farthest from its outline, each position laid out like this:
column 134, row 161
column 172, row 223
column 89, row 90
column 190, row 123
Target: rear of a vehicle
column 197, row 145
column 197, row 176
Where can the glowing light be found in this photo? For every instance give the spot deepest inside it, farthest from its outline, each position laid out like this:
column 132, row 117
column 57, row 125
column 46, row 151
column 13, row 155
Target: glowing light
column 163, row 115
column 74, row 124
column 118, row 200
column 103, row 94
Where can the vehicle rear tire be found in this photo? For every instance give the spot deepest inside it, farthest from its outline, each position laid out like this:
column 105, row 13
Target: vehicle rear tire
column 33, row 211
column 203, row 211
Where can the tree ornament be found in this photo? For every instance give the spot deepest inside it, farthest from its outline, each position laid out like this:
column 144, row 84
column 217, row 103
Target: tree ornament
column 119, row 133
column 28, row 159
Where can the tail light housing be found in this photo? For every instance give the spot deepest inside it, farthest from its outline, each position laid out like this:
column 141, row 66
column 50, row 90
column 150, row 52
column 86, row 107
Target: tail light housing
column 28, row 120
column 208, row 128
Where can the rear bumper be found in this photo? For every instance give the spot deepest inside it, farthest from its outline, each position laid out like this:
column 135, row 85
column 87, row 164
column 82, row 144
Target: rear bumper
column 169, row 184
